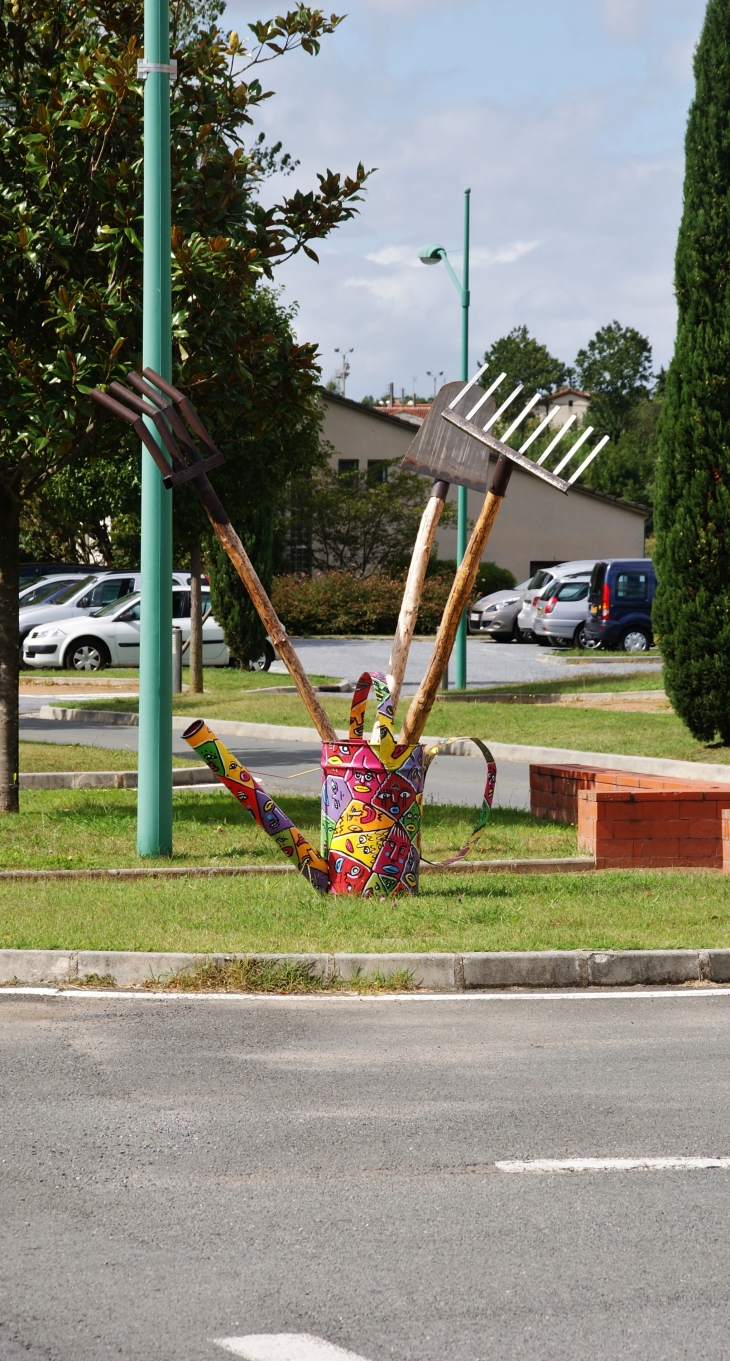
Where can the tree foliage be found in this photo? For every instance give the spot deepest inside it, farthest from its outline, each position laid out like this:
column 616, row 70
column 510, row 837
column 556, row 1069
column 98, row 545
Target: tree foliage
column 692, row 608
column 70, row 247
column 615, row 367
column 524, row 360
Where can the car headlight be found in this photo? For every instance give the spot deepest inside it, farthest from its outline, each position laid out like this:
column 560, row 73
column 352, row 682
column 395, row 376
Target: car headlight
column 492, row 609
column 48, row 633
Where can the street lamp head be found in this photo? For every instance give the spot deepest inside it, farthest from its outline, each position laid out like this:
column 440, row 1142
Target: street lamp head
column 431, row 255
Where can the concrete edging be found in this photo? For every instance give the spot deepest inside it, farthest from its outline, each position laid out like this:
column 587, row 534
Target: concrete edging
column 438, row 972
column 577, row 864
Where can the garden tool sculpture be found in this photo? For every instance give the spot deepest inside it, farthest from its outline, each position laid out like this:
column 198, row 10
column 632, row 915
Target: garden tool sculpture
column 166, row 407
column 372, row 794
column 451, row 447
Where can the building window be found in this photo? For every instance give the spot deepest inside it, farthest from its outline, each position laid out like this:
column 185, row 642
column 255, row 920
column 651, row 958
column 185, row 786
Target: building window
column 348, row 465
column 377, row 470
column 570, row 403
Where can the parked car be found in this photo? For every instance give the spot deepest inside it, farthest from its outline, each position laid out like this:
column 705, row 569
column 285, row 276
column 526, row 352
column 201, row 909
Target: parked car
column 562, row 613
column 620, row 599
column 546, row 575
column 81, row 597
column 496, row 614
column 110, row 636
column 45, row 588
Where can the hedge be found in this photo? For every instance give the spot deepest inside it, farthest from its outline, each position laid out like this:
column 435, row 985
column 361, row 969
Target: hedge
column 338, row 603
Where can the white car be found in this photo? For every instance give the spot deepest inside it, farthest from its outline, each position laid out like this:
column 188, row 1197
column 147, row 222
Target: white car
column 562, row 613
column 81, row 597
column 45, row 588
column 560, row 572
column 110, row 636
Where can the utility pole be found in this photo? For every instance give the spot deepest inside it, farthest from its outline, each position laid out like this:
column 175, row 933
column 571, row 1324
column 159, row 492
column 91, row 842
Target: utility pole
column 154, row 800
column 462, row 504
column 345, row 364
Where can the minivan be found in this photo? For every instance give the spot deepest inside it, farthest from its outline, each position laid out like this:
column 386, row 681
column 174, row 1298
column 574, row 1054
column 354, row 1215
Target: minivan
column 621, row 594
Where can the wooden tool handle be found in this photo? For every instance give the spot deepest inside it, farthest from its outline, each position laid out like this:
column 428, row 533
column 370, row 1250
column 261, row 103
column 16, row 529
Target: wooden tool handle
column 414, row 588
column 423, row 700
column 264, row 608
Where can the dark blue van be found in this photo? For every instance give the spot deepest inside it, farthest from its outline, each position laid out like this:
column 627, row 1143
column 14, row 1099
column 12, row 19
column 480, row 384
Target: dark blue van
column 620, row 599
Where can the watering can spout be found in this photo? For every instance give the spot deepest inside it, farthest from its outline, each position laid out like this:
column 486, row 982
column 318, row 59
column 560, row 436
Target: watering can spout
column 248, row 792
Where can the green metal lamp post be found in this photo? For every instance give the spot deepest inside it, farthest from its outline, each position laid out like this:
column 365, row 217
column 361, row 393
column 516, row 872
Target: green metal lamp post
column 154, row 803
column 432, row 255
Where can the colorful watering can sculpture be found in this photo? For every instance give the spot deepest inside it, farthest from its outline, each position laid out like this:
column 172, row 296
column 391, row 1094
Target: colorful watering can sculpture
column 371, row 803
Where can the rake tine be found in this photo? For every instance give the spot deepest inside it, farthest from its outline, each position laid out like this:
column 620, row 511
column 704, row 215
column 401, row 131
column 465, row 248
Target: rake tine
column 562, row 431
column 521, row 418
column 589, row 459
column 503, row 407
column 469, row 385
column 141, row 430
column 158, row 420
column 171, row 414
column 184, row 405
column 580, row 440
column 539, row 430
column 483, row 398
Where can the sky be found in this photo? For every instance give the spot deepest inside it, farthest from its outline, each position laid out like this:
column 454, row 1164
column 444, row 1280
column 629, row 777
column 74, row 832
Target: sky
column 565, row 119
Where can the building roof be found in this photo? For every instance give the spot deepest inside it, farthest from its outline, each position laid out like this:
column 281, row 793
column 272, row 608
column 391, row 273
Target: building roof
column 569, row 392
column 376, row 413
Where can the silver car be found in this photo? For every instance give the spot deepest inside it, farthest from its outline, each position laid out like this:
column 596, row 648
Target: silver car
column 526, row 618
column 496, row 615
column 562, row 612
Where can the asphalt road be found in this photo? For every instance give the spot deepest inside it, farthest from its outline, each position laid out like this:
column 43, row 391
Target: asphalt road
column 179, row 1171
column 294, row 767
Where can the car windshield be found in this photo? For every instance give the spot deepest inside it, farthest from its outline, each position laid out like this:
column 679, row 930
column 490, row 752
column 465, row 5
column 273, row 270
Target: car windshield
column 115, row 605
column 73, row 589
column 45, row 590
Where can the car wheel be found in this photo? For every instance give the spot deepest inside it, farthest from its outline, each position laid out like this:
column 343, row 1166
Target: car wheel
column 583, row 639
column 635, row 640
column 87, row 654
column 263, row 662
column 517, row 634
column 543, row 640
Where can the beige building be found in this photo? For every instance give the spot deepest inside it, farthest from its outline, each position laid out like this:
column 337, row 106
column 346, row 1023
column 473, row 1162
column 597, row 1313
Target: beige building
column 570, row 402
column 537, row 526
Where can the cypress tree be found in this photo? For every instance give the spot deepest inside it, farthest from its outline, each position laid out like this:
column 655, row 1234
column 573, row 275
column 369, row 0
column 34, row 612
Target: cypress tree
column 692, row 509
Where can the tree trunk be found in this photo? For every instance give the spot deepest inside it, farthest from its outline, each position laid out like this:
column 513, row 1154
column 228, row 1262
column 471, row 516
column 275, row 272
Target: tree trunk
column 196, row 620
column 9, row 657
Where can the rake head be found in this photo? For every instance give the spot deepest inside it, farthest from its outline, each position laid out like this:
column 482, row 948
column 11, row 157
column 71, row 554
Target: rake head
column 165, row 406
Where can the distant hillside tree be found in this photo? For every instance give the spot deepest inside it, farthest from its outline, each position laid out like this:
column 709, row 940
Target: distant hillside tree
column 524, row 360
column 615, row 367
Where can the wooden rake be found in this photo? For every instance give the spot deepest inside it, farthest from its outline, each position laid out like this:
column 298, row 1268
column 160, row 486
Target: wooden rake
column 169, row 410
column 451, row 448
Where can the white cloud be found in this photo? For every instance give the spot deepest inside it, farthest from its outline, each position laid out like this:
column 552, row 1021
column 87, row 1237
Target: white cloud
column 393, row 255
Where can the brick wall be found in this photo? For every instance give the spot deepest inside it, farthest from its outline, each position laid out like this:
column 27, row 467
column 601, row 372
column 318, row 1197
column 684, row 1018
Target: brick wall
column 652, row 828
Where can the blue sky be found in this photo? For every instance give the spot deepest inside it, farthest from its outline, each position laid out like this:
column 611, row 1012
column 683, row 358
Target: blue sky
column 566, row 120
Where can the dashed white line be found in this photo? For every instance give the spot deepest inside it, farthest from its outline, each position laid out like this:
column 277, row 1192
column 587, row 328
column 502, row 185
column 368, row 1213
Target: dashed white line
column 537, row 1166
column 317, row 998
column 285, row 1347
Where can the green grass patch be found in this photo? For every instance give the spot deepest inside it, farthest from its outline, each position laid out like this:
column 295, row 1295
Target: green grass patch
column 96, row 829
column 52, row 756
column 610, row 910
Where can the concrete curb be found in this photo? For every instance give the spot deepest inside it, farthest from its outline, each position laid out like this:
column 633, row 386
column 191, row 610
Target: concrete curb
column 433, row 971
column 578, row 864
column 502, row 751
column 182, row 776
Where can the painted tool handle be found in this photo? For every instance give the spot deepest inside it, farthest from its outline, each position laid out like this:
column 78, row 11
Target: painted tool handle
column 414, row 589
column 263, row 606
column 423, row 701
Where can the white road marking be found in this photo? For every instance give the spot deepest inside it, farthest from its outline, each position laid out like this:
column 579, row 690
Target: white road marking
column 285, row 1347
column 542, row 1165
column 317, row 998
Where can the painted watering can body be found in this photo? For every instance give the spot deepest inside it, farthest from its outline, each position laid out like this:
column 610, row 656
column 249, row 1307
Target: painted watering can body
column 372, row 795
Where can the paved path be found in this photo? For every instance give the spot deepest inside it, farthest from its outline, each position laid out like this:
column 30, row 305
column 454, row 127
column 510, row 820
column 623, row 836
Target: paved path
column 488, row 663
column 179, row 1171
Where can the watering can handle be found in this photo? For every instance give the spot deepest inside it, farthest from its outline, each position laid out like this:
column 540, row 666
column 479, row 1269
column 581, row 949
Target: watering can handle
column 430, row 754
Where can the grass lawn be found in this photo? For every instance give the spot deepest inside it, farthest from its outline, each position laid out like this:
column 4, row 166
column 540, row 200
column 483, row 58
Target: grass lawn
column 613, row 910
column 51, row 756
column 90, row 829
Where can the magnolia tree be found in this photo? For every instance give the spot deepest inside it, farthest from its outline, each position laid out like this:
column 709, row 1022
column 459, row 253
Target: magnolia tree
column 71, row 255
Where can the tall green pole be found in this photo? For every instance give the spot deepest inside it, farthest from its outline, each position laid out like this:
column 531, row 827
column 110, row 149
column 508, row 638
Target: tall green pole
column 461, row 523
column 154, row 802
